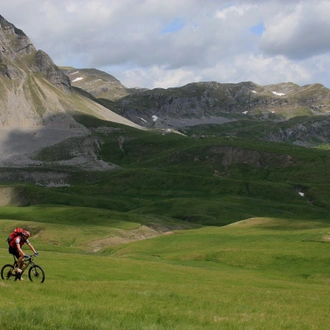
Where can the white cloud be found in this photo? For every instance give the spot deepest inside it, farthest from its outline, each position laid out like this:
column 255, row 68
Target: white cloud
column 157, row 76
column 214, row 40
column 300, row 32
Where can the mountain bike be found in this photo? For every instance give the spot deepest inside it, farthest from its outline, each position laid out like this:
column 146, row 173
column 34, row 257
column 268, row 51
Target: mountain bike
column 35, row 272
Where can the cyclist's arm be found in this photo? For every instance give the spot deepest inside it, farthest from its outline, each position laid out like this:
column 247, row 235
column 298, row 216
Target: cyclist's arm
column 20, row 251
column 31, row 247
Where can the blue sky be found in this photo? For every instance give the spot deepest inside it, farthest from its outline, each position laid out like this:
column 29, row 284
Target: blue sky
column 258, row 29
column 175, row 25
column 156, row 43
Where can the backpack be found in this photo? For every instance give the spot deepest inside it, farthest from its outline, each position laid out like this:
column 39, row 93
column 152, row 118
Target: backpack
column 14, row 234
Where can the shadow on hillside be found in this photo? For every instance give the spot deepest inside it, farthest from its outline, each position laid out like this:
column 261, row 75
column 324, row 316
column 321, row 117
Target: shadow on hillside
column 19, row 145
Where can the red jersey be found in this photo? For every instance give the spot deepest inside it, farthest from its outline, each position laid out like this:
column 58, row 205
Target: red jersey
column 18, row 240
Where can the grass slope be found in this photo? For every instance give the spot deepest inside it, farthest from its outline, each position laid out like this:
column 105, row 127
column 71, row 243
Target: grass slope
column 257, row 274
column 246, row 244
column 210, row 181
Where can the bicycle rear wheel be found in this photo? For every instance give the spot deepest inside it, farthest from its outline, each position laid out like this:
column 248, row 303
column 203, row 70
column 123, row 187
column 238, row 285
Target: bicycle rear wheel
column 8, row 273
column 36, row 274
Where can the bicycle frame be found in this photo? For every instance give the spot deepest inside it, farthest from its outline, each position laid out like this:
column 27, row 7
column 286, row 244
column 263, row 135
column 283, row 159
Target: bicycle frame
column 29, row 261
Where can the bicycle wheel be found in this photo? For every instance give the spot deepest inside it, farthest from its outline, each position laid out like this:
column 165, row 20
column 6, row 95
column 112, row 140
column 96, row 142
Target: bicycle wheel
column 8, row 273
column 36, row 274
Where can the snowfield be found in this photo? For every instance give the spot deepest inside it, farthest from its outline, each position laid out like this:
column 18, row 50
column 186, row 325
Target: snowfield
column 77, row 79
column 278, row 94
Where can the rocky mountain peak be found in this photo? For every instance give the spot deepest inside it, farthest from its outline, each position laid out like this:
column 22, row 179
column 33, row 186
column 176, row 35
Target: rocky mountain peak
column 15, row 45
column 13, row 42
column 38, row 106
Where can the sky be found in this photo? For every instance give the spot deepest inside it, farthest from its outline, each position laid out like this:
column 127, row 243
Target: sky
column 170, row 43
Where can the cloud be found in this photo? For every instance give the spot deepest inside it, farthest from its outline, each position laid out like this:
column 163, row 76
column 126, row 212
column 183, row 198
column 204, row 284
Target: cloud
column 300, row 31
column 155, row 43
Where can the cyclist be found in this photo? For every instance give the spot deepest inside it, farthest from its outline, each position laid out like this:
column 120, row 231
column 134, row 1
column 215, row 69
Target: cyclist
column 15, row 248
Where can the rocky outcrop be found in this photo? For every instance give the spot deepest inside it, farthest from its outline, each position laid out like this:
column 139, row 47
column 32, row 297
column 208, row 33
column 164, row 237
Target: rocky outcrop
column 235, row 155
column 44, row 64
column 14, row 46
column 14, row 43
column 308, row 132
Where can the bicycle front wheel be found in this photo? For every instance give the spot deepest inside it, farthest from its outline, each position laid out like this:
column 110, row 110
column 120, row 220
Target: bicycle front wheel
column 8, row 273
column 36, row 274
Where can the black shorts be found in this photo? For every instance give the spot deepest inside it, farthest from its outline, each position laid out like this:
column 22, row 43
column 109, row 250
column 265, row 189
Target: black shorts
column 13, row 251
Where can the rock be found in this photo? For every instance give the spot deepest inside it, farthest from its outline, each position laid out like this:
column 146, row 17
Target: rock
column 44, row 64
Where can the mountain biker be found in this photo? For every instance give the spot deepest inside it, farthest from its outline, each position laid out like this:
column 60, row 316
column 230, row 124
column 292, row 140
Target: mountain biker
column 15, row 248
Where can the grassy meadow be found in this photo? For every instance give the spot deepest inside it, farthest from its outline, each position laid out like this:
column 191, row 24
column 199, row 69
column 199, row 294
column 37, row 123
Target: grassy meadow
column 187, row 233
column 260, row 273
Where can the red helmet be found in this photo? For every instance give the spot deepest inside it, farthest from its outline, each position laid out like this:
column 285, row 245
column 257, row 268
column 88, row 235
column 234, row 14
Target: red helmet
column 26, row 233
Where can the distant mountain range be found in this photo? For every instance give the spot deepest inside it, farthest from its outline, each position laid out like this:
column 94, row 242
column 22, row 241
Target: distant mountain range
column 283, row 112
column 40, row 103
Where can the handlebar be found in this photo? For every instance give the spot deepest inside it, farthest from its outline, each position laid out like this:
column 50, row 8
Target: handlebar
column 30, row 257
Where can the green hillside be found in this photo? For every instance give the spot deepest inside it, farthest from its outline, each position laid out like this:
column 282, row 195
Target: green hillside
column 203, row 181
column 185, row 233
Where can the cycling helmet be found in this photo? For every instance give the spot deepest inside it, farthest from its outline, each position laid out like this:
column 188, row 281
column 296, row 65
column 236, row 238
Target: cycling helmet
column 26, row 233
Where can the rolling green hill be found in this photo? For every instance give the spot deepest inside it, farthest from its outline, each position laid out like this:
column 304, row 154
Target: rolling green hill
column 203, row 181
column 260, row 273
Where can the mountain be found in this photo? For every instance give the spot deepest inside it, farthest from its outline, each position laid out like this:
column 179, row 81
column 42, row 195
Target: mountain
column 97, row 83
column 38, row 104
column 60, row 145
column 206, row 102
column 283, row 112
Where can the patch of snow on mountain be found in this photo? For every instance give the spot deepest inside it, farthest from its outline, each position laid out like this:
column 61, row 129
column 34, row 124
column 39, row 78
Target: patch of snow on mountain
column 255, row 92
column 245, row 112
column 154, row 118
column 77, row 79
column 278, row 94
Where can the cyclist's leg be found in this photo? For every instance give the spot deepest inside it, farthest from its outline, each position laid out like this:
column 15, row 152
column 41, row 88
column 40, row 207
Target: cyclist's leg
column 20, row 261
column 15, row 253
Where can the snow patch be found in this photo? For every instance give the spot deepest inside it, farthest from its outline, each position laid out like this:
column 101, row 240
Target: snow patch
column 142, row 119
column 245, row 112
column 75, row 72
column 77, row 79
column 255, row 92
column 301, row 194
column 278, row 94
column 154, row 118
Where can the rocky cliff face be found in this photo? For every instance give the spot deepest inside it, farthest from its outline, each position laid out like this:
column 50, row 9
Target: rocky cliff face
column 44, row 64
column 197, row 102
column 18, row 54
column 38, row 104
column 307, row 132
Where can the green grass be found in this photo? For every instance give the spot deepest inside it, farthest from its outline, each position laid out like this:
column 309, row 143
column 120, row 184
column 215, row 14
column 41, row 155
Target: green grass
column 258, row 274
column 211, row 181
column 268, row 272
